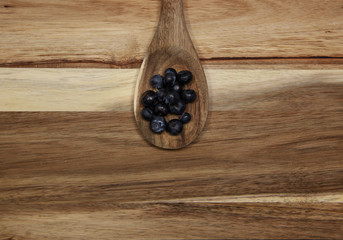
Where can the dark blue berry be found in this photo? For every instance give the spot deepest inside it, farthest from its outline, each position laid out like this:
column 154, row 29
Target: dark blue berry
column 170, row 70
column 189, row 95
column 149, row 98
column 174, row 127
column 185, row 77
column 147, row 114
column 177, row 87
column 171, row 97
column 158, row 124
column 169, row 79
column 161, row 109
column 185, row 117
column 157, row 81
column 178, row 108
column 161, row 94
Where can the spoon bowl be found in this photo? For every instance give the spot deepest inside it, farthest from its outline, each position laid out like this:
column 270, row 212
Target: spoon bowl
column 172, row 47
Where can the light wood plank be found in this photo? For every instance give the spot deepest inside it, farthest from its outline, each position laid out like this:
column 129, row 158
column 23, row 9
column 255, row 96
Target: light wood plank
column 113, row 89
column 117, row 32
column 265, row 198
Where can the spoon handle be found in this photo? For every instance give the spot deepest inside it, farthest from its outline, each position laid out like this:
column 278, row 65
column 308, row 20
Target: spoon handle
column 171, row 30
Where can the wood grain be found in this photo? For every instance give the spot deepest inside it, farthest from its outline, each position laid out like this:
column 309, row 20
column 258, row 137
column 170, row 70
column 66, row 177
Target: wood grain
column 87, row 175
column 242, row 87
column 172, row 47
column 117, row 33
column 268, row 168
column 179, row 221
column 268, row 164
column 297, row 153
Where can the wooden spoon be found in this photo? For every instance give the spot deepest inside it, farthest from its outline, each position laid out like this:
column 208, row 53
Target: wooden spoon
column 172, row 47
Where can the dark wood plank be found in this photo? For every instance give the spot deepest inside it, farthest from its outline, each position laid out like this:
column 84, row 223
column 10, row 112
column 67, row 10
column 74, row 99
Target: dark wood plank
column 284, row 147
column 177, row 221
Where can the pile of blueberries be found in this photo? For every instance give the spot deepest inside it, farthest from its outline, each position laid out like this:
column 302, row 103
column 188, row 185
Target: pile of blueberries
column 169, row 97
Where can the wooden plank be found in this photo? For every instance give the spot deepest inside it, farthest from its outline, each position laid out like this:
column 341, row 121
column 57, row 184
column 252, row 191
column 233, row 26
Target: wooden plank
column 58, row 155
column 117, row 33
column 222, row 63
column 177, row 221
column 112, row 89
column 272, row 172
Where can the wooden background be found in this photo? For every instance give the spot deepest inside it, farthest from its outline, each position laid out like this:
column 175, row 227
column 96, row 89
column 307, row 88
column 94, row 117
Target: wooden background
column 269, row 163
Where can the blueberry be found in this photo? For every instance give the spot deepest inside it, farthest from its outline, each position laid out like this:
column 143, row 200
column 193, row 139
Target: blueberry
column 161, row 94
column 188, row 95
column 169, row 79
column 170, row 70
column 178, row 108
column 147, row 114
column 171, row 97
column 185, row 77
column 185, row 117
column 149, row 98
column 161, row 109
column 174, row 127
column 158, row 124
column 157, row 81
column 177, row 87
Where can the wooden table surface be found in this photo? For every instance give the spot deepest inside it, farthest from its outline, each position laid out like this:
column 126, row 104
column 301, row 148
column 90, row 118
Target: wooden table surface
column 269, row 164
